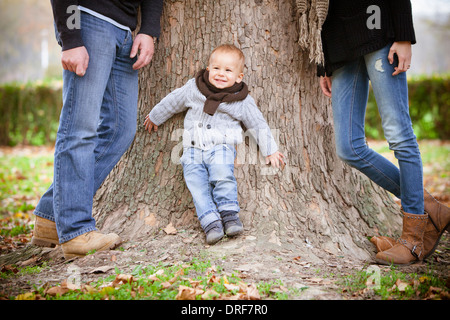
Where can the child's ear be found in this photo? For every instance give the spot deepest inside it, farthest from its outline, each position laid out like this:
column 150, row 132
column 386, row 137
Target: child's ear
column 207, row 68
column 240, row 77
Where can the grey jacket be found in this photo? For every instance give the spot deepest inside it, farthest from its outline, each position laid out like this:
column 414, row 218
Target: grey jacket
column 224, row 127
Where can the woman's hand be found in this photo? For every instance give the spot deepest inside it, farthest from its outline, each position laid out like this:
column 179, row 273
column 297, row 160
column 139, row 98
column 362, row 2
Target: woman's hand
column 325, row 85
column 404, row 54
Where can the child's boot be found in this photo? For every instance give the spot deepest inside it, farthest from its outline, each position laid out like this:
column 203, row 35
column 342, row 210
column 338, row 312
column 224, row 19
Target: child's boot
column 232, row 224
column 214, row 232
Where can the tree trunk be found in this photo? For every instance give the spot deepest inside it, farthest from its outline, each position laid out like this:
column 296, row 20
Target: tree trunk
column 316, row 201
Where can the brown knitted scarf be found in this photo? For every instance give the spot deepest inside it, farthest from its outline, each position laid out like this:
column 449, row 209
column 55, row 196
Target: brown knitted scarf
column 311, row 16
column 215, row 96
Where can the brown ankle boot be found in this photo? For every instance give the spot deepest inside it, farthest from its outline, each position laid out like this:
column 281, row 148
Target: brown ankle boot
column 383, row 243
column 93, row 240
column 409, row 247
column 44, row 233
column 439, row 221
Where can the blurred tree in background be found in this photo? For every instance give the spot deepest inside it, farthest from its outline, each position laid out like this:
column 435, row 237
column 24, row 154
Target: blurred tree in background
column 29, row 50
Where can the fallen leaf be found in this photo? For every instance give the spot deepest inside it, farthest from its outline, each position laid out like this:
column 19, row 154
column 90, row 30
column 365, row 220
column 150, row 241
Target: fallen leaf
column 214, row 279
column 26, row 296
column 401, row 286
column 170, row 229
column 70, row 285
column 210, row 294
column 188, row 293
column 154, row 278
column 102, row 269
column 231, row 286
column 56, row 291
column 253, row 293
column 122, row 279
column 316, row 280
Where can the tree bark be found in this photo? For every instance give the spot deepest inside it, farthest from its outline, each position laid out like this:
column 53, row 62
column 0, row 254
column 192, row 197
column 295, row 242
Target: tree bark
column 315, row 201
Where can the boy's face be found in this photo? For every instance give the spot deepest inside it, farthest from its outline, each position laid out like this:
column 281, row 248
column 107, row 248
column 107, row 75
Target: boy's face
column 224, row 69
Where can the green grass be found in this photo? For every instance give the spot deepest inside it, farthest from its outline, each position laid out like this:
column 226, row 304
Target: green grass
column 25, row 176
column 160, row 282
column 23, row 179
column 393, row 284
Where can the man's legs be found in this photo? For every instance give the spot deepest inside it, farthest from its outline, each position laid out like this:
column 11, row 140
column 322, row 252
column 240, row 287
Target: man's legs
column 97, row 124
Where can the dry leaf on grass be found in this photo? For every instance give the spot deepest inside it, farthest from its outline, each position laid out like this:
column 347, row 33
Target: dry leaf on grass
column 122, row 279
column 188, row 293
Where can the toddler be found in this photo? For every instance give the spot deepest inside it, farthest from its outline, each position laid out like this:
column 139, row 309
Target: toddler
column 218, row 102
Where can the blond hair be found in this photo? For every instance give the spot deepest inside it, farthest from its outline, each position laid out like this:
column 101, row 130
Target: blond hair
column 230, row 48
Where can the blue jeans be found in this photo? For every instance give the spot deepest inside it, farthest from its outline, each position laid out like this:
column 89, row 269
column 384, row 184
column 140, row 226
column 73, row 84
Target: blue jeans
column 209, row 176
column 350, row 88
column 97, row 125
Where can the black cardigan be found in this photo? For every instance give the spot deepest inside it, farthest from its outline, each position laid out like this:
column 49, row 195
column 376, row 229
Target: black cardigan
column 121, row 11
column 346, row 37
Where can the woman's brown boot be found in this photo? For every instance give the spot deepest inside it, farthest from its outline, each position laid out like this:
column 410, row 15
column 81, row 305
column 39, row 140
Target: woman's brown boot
column 383, row 243
column 409, row 248
column 439, row 221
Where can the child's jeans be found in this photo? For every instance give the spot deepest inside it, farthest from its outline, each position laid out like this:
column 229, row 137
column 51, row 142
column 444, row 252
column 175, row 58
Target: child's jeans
column 350, row 92
column 209, row 176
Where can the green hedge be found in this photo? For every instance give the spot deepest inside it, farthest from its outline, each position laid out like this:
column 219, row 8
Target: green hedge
column 29, row 113
column 429, row 107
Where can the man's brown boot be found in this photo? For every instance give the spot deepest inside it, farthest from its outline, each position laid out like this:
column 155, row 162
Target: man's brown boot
column 93, row 240
column 409, row 247
column 44, row 233
column 439, row 222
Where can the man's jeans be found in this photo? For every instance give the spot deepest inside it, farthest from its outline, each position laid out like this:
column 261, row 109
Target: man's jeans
column 209, row 176
column 350, row 88
column 97, row 125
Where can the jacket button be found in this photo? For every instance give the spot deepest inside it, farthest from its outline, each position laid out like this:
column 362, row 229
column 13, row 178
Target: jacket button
column 208, row 126
column 200, row 125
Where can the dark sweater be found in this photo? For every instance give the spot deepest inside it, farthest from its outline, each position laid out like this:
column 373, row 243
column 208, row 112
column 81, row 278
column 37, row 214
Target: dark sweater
column 121, row 11
column 346, row 37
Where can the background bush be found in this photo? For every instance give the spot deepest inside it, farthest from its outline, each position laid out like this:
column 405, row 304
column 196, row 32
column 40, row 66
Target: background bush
column 29, row 113
column 429, row 107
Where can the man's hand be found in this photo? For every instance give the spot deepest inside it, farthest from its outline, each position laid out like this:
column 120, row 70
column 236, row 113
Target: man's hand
column 275, row 159
column 404, row 54
column 325, row 85
column 75, row 60
column 145, row 46
column 149, row 125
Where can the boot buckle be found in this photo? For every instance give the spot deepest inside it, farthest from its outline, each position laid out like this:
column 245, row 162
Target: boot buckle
column 413, row 252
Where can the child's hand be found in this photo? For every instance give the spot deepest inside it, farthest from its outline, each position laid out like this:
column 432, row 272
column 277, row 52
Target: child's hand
column 149, row 125
column 275, row 159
